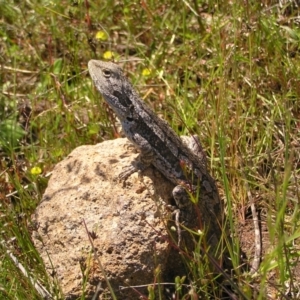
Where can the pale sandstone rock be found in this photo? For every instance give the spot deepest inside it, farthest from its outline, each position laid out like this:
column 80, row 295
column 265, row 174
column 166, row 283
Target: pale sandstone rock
column 128, row 219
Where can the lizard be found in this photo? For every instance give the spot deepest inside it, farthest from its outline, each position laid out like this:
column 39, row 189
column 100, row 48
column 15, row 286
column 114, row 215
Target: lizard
column 182, row 163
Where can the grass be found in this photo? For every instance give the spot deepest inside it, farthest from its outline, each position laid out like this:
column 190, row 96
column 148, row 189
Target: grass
column 227, row 71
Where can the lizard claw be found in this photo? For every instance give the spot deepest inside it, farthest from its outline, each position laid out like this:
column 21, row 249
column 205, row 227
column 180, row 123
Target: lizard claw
column 128, row 171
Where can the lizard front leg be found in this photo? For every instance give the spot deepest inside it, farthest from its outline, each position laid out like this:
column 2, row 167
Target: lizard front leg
column 143, row 161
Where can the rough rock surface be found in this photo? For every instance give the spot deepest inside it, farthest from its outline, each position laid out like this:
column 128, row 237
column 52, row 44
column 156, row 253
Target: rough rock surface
column 128, row 222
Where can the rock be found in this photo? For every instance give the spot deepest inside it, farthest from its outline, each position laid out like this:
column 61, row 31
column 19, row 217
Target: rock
column 127, row 221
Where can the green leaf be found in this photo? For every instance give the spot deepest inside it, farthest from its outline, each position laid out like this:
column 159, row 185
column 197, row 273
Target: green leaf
column 57, row 66
column 10, row 134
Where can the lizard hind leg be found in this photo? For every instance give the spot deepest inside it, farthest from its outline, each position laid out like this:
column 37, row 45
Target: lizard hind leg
column 183, row 202
column 183, row 213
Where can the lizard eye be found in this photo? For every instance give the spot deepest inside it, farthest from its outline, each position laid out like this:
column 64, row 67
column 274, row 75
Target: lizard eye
column 106, row 73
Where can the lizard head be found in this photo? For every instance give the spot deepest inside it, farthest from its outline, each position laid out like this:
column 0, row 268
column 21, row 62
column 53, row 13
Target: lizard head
column 112, row 84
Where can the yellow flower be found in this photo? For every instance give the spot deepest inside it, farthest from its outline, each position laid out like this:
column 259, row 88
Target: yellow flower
column 146, row 72
column 101, row 35
column 108, row 55
column 36, row 171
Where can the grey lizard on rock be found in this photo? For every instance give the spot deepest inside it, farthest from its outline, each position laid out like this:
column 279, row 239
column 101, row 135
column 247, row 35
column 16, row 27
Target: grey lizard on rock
column 195, row 192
